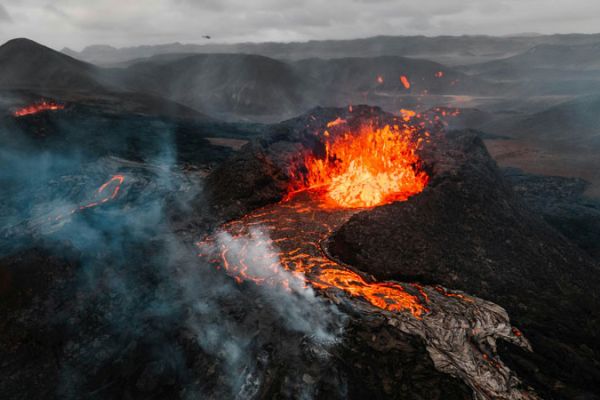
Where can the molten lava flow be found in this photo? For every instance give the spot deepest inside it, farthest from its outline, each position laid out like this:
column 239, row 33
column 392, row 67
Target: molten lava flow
column 102, row 194
column 366, row 168
column 38, row 107
column 280, row 245
column 116, row 181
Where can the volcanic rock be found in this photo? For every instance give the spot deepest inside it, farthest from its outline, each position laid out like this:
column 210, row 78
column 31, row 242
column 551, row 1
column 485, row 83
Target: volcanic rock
column 259, row 174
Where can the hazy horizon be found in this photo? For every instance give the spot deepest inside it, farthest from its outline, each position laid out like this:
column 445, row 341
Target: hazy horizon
column 67, row 23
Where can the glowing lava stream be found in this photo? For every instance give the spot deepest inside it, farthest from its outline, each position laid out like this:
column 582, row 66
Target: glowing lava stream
column 115, row 182
column 292, row 233
column 282, row 245
column 38, row 107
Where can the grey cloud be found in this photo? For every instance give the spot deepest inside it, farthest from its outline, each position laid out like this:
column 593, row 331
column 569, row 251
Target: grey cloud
column 4, row 15
column 56, row 11
column 158, row 21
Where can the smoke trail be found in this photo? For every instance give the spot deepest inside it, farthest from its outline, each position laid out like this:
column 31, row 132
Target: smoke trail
column 289, row 294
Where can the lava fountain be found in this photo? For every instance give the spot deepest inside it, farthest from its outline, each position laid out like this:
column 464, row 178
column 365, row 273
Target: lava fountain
column 367, row 168
column 38, row 107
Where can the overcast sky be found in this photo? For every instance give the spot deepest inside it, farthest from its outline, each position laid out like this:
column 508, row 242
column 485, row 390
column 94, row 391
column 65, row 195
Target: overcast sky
column 77, row 23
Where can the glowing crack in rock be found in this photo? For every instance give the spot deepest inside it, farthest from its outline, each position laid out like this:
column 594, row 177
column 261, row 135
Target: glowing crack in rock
column 106, row 192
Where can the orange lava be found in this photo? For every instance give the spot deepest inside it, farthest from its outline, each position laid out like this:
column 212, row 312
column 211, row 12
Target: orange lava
column 366, row 168
column 103, row 195
column 116, row 181
column 405, row 82
column 281, row 245
column 38, row 107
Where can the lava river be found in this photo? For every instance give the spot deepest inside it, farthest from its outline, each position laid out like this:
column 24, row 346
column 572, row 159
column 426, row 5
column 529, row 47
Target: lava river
column 292, row 233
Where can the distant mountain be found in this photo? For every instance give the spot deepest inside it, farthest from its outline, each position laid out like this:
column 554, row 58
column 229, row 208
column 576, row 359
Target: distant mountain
column 451, row 50
column 572, row 124
column 251, row 86
column 30, row 71
column 357, row 75
column 26, row 64
column 223, row 84
column 565, row 57
column 545, row 70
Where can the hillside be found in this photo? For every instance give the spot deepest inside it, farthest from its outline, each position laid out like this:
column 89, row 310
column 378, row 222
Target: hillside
column 358, row 74
column 27, row 64
column 572, row 124
column 222, row 83
column 452, row 50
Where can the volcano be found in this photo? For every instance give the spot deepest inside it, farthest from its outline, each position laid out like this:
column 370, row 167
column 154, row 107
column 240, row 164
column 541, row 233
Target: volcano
column 492, row 250
column 27, row 64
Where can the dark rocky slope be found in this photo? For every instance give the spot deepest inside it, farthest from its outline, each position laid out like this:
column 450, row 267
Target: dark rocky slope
column 27, row 64
column 468, row 230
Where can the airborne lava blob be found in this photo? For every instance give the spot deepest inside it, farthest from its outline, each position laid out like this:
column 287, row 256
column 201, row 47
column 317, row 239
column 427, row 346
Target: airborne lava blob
column 38, row 107
column 366, row 168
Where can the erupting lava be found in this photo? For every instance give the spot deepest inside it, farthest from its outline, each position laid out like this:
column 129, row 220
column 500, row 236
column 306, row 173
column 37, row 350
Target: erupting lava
column 38, row 107
column 370, row 167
